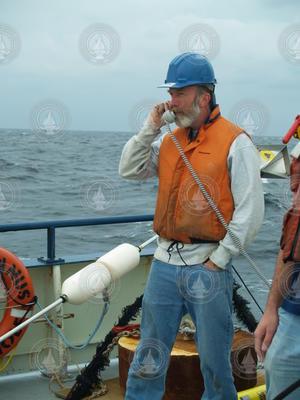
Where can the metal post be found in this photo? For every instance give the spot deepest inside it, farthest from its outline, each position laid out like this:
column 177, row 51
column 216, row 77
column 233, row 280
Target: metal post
column 51, row 243
column 29, row 320
column 59, row 320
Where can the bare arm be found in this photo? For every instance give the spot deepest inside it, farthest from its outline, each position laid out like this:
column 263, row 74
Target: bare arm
column 269, row 322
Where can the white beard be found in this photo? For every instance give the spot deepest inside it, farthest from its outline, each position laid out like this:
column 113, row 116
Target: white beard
column 189, row 117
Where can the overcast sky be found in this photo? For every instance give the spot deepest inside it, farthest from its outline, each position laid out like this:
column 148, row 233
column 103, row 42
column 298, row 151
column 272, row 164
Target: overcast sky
column 107, row 79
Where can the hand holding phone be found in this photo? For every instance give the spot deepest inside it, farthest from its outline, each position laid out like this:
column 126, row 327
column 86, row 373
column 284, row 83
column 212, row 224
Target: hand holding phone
column 169, row 116
column 160, row 115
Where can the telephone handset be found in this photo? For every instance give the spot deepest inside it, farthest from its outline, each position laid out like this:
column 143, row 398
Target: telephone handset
column 169, row 116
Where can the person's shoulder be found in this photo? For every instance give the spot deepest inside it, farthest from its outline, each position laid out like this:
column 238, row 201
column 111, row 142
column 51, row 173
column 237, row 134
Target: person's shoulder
column 242, row 141
column 243, row 138
column 229, row 128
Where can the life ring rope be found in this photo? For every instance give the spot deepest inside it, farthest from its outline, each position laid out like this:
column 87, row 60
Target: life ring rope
column 4, row 365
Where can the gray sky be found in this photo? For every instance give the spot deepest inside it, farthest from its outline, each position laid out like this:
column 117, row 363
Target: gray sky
column 241, row 37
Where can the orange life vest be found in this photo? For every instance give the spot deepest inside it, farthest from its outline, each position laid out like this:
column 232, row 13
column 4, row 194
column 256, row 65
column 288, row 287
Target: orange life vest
column 182, row 212
column 290, row 238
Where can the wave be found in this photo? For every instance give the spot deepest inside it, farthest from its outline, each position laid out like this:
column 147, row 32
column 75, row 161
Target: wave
column 274, row 201
column 8, row 164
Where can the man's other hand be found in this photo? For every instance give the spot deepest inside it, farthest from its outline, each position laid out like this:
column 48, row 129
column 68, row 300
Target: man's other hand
column 210, row 265
column 264, row 333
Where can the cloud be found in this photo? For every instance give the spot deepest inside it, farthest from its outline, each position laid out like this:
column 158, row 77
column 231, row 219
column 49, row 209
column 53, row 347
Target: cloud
column 51, row 65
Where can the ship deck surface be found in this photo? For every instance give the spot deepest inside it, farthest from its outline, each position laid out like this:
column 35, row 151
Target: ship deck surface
column 33, row 388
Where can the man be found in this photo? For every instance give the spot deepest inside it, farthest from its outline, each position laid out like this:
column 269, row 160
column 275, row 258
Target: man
column 191, row 269
column 277, row 334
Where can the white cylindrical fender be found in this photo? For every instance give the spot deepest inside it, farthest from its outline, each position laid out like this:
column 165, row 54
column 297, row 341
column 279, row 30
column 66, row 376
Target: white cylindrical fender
column 86, row 283
column 97, row 276
column 121, row 260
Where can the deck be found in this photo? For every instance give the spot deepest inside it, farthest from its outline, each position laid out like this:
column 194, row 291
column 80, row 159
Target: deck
column 33, row 388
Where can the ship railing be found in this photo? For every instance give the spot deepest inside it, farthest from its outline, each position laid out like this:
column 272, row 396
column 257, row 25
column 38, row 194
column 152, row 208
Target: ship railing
column 56, row 263
column 53, row 225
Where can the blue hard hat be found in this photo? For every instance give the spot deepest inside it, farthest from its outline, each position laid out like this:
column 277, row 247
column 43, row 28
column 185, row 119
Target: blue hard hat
column 189, row 69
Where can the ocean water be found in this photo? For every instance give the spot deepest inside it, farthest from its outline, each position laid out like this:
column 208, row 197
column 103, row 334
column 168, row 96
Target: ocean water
column 75, row 175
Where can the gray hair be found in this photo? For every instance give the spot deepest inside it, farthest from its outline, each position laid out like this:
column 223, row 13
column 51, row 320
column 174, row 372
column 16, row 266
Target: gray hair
column 206, row 88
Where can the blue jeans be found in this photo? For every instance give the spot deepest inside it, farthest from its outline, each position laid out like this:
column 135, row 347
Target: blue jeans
column 282, row 362
column 170, row 293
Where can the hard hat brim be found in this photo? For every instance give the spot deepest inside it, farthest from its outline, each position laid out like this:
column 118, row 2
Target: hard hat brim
column 168, row 85
column 177, row 85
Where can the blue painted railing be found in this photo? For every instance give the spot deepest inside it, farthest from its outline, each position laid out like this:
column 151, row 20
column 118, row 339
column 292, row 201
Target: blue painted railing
column 51, row 226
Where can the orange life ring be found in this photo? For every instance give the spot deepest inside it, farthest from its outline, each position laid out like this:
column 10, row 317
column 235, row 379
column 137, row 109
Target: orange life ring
column 18, row 285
